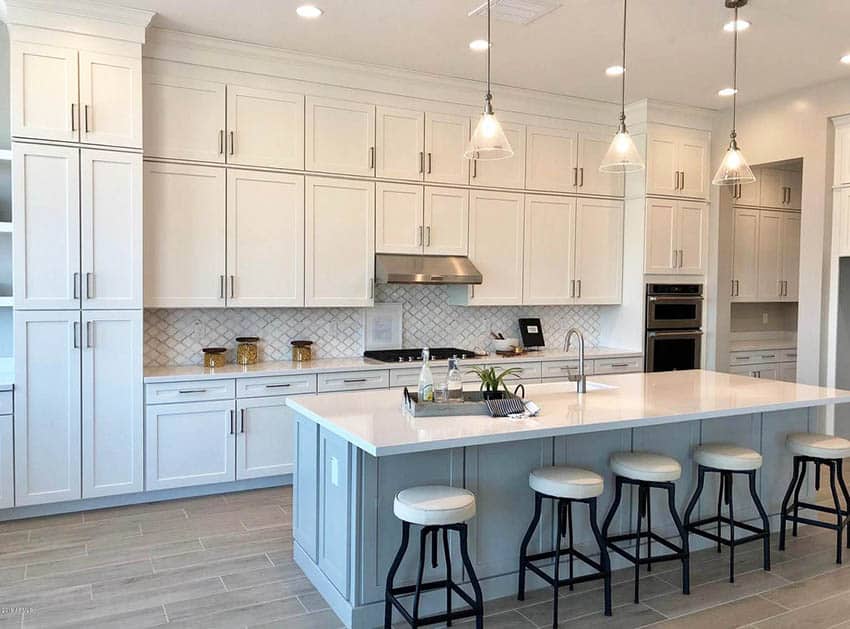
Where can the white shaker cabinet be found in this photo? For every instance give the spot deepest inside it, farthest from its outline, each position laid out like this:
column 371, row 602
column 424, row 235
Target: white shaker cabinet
column 592, row 148
column 264, row 438
column 549, row 255
column 772, row 188
column 110, row 99
column 400, row 144
column 745, row 255
column 841, row 209
column 184, row 119
column 265, row 239
column 44, row 100
column 339, row 242
column 189, row 444
column 677, row 162
column 766, row 263
column 47, row 407
column 551, row 159
column 111, row 229
column 46, row 215
column 446, row 221
column 692, row 231
column 660, row 236
column 112, row 426
column 769, row 256
column 399, row 226
column 790, row 254
column 184, row 236
column 694, row 156
column 676, row 237
column 446, row 137
column 502, row 173
column 599, row 251
column 7, row 462
column 264, row 128
column 339, row 136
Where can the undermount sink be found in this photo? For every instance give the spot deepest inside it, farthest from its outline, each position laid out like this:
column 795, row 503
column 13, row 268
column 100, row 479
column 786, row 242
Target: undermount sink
column 598, row 386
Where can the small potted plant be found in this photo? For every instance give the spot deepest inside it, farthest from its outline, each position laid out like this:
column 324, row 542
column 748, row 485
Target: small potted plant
column 493, row 385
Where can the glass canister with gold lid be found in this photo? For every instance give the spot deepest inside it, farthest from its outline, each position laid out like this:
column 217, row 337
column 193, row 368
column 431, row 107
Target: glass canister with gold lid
column 246, row 350
column 215, row 357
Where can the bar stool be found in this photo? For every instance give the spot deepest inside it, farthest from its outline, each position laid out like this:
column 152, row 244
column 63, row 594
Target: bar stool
column 820, row 450
column 727, row 460
column 436, row 509
column 565, row 485
column 647, row 471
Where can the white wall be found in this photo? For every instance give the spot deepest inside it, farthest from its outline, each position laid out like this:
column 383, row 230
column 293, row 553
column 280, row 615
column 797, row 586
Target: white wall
column 794, row 125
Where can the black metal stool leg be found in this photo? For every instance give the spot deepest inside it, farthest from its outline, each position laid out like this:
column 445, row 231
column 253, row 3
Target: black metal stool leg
column 765, row 521
column 784, row 514
column 604, row 559
column 523, row 550
column 557, row 575
column 570, row 524
column 388, row 609
column 683, row 534
column 618, row 496
column 843, row 485
column 473, row 579
column 797, row 497
column 720, row 510
column 695, row 498
column 637, row 544
column 838, row 517
column 448, row 555
column 731, row 506
column 648, row 511
column 423, row 541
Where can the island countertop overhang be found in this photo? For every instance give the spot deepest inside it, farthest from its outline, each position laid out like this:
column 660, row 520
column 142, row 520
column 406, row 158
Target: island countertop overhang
column 374, row 421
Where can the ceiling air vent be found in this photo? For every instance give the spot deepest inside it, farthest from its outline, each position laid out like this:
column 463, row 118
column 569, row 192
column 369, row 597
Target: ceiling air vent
column 517, row 11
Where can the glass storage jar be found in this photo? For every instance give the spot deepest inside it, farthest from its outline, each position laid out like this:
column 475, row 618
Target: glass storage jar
column 301, row 350
column 246, row 350
column 214, row 357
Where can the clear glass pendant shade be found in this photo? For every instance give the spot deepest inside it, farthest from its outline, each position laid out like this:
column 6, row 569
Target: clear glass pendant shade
column 734, row 168
column 622, row 155
column 488, row 141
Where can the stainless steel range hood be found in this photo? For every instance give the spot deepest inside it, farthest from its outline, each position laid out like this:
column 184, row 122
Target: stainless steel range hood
column 403, row 269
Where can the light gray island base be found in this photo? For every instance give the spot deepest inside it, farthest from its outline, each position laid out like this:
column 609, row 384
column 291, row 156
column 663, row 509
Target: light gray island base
column 346, row 534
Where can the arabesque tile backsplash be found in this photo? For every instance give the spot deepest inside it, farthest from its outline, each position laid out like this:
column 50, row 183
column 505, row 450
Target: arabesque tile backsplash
column 176, row 336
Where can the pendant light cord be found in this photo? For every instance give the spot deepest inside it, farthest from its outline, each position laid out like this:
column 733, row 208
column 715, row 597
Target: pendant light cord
column 623, row 82
column 488, row 107
column 735, row 75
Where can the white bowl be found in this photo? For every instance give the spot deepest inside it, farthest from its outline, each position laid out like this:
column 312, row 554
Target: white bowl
column 505, row 345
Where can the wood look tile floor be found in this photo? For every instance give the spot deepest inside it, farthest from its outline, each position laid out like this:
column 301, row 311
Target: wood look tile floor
column 226, row 561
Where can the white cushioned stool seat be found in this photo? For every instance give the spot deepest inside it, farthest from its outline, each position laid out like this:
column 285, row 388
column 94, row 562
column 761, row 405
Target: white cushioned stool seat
column 645, row 466
column 818, row 446
column 434, row 505
column 566, row 482
column 728, row 456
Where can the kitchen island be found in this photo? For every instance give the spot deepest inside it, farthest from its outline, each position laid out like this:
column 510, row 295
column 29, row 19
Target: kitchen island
column 355, row 451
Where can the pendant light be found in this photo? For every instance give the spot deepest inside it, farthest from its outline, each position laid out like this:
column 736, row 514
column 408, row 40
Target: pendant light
column 488, row 141
column 622, row 155
column 734, row 168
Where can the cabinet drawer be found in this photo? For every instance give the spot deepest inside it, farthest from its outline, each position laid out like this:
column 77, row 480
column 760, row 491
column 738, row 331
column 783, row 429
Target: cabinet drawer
column 788, row 356
column 744, row 358
column 353, row 380
column 275, row 385
column 526, row 371
column 5, row 402
column 618, row 365
column 189, row 391
column 563, row 368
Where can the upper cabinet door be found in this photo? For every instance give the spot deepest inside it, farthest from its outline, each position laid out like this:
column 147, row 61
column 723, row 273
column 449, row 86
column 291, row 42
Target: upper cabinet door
column 692, row 228
column 265, row 128
column 340, row 136
column 400, row 144
column 184, row 119
column 750, row 193
column 265, row 239
column 660, row 236
column 549, row 250
column 791, row 256
column 111, row 244
column 770, row 256
column 841, row 219
column 599, row 252
column 495, row 246
column 184, row 231
column 841, row 175
column 112, row 438
column 46, row 215
column 745, row 255
column 446, row 221
column 551, row 160
column 503, row 173
column 693, row 157
column 446, row 137
column 340, row 242
column 110, row 100
column 398, row 218
column 44, row 103
column 772, row 187
column 591, row 150
column 793, row 180
column 662, row 162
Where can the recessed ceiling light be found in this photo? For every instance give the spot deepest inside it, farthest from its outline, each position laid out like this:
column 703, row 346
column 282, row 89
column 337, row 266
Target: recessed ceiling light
column 309, row 11
column 727, row 91
column 478, row 45
column 736, row 25
column 846, row 59
column 614, row 70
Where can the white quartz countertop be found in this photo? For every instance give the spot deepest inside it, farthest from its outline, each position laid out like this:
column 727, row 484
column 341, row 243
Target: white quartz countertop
column 757, row 345
column 375, row 422
column 328, row 365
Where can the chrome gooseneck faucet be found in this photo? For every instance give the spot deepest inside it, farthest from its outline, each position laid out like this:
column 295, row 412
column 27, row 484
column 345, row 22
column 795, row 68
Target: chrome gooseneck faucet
column 580, row 379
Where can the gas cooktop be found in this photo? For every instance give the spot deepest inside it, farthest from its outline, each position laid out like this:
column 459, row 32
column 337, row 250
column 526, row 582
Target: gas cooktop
column 412, row 355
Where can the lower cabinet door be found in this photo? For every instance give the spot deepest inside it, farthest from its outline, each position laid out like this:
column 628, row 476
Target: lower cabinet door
column 788, row 372
column 7, row 463
column 112, row 403
column 264, row 439
column 189, row 444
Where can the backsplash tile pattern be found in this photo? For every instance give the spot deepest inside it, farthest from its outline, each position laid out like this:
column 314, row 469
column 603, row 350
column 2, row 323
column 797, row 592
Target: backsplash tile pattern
column 176, row 336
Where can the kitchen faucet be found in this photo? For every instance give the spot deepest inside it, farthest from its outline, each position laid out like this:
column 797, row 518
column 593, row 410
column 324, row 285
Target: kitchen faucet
column 580, row 379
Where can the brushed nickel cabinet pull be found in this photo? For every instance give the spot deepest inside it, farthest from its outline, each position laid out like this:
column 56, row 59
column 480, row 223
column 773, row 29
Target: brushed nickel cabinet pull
column 683, row 180
column 89, row 287
column 677, row 180
column 221, row 287
column 354, row 380
column 575, row 176
column 86, row 118
column 89, row 334
column 73, row 117
column 419, row 236
column 578, row 287
column 242, row 420
column 75, row 333
column 572, row 288
column 429, row 163
column 474, row 168
column 189, row 391
column 620, row 365
column 277, row 386
column 428, row 236
column 232, row 286
column 232, row 143
column 221, row 141
column 75, row 281
column 421, row 162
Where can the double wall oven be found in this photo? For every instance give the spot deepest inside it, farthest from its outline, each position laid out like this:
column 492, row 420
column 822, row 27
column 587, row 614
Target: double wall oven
column 673, row 326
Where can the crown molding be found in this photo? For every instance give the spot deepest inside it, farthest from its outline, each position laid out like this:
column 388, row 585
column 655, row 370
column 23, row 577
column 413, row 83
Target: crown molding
column 82, row 17
column 649, row 111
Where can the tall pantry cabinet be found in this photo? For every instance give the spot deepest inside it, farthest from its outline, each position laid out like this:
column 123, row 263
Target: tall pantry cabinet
column 77, row 216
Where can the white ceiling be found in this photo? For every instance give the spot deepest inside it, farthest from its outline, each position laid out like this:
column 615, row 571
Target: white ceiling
column 678, row 51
